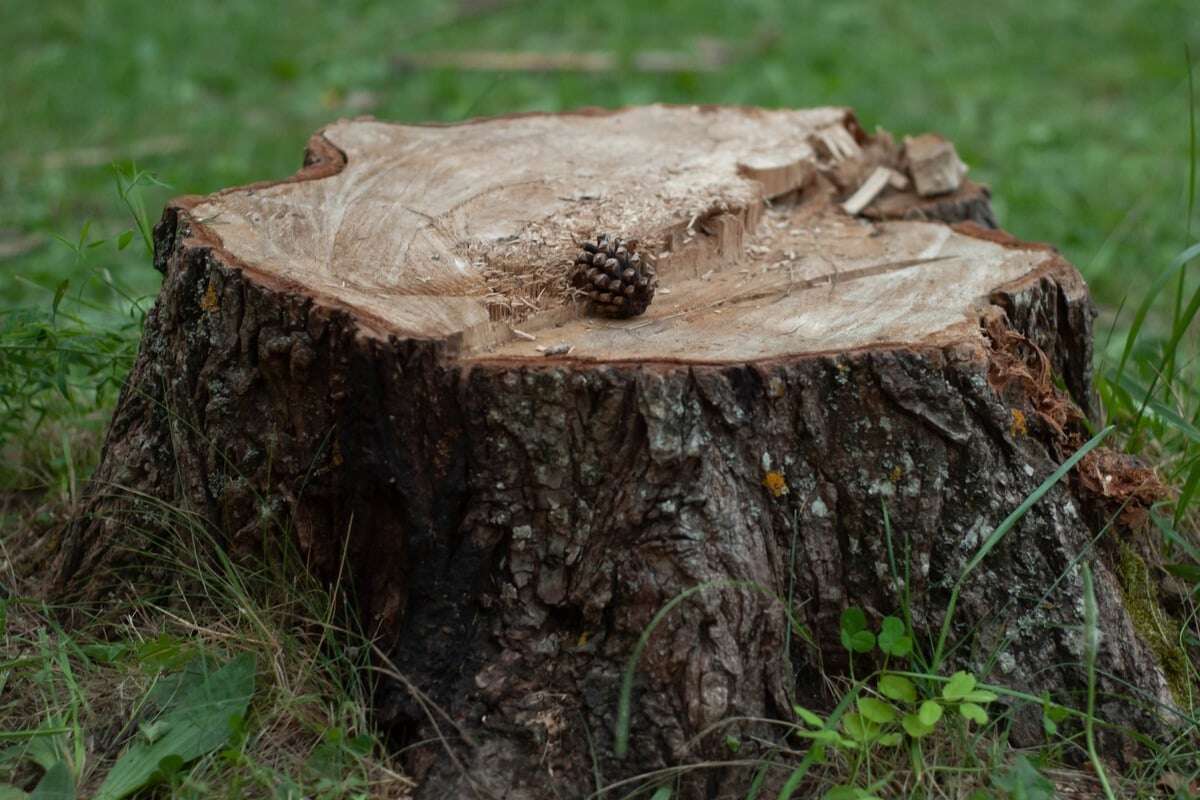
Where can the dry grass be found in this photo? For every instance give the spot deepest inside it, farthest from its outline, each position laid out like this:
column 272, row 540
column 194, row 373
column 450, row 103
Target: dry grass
column 83, row 692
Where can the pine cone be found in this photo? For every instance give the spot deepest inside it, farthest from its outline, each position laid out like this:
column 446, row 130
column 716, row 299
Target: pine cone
column 615, row 278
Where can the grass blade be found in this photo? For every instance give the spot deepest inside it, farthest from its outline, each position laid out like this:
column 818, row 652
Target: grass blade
column 1037, row 494
column 1091, row 639
column 1160, row 283
column 1191, row 207
column 1161, row 410
column 810, row 758
column 1180, row 328
column 1188, row 493
column 1191, row 210
column 1002, row 530
column 624, row 704
column 56, row 784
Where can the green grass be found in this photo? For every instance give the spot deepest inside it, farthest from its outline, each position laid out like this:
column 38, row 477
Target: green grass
column 1078, row 114
column 141, row 693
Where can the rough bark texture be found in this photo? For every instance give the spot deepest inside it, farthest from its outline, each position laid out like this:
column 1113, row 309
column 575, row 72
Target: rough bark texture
column 511, row 526
column 971, row 203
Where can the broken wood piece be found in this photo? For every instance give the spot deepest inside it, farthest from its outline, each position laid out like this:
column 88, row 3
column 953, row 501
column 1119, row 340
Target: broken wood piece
column 836, row 143
column 933, row 164
column 529, row 337
column 875, row 183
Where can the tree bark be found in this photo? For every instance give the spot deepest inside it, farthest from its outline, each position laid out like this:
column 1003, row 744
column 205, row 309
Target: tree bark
column 511, row 521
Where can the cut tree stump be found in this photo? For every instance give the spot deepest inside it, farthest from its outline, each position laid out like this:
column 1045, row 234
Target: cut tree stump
column 382, row 358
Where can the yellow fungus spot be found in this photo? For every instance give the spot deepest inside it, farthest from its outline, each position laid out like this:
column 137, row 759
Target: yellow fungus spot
column 896, row 474
column 209, row 302
column 583, row 640
column 775, row 483
column 336, row 455
column 1019, row 426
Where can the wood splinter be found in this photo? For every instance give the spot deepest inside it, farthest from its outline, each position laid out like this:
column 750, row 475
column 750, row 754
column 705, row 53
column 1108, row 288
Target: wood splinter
column 875, row 183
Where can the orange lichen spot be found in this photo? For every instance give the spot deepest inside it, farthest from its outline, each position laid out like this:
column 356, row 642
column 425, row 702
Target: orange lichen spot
column 896, row 474
column 1019, row 427
column 775, row 483
column 209, row 301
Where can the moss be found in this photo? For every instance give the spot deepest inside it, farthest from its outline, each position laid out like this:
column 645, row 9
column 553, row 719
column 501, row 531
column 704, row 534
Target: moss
column 1151, row 622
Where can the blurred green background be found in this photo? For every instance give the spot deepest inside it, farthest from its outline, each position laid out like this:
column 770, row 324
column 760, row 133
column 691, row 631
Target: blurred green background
column 1075, row 112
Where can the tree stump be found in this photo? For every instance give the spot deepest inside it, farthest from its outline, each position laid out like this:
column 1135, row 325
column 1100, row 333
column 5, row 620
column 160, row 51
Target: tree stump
column 384, row 358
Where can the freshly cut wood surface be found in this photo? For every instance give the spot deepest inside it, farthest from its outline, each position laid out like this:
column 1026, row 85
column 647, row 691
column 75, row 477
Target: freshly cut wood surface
column 432, row 230
column 810, row 286
column 464, row 231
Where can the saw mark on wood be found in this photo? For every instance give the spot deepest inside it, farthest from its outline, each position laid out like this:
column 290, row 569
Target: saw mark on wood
column 785, row 289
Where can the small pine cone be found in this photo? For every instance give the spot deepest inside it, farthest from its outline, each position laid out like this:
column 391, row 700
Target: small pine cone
column 614, row 277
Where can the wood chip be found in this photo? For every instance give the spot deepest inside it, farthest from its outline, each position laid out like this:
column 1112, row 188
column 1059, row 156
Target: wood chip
column 835, row 143
column 529, row 337
column 898, row 180
column 933, row 164
column 870, row 189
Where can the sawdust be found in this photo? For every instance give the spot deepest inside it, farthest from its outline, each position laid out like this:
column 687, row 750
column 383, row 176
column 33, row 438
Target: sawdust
column 517, row 292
